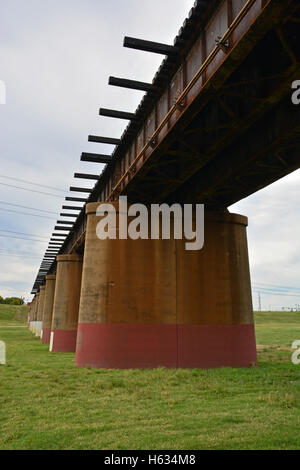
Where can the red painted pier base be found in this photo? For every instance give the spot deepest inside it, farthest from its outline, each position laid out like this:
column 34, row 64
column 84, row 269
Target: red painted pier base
column 45, row 337
column 66, row 303
column 124, row 346
column 147, row 303
column 48, row 308
column 63, row 341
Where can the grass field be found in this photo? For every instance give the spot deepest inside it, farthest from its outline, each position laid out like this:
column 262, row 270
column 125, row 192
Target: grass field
column 11, row 315
column 47, row 403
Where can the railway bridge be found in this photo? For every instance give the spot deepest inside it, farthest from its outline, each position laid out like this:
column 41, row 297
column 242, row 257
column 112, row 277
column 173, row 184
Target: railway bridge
column 216, row 124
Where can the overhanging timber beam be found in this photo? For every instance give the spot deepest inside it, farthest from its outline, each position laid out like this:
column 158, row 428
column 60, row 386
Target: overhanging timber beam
column 131, row 84
column 63, row 229
column 80, row 190
column 117, row 114
column 86, row 176
column 95, row 158
column 72, row 208
column 150, row 46
column 66, row 222
column 75, row 199
column 62, row 214
column 104, row 140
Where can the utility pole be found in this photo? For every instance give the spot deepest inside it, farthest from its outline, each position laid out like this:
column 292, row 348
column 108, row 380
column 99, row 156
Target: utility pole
column 259, row 302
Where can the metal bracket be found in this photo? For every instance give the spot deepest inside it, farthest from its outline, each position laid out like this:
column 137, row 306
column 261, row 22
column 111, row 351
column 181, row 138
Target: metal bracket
column 180, row 104
column 224, row 46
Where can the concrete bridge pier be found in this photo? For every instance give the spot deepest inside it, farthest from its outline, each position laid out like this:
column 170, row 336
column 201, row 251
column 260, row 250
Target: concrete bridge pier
column 151, row 303
column 29, row 313
column 34, row 316
column 40, row 310
column 32, row 313
column 66, row 303
column 48, row 308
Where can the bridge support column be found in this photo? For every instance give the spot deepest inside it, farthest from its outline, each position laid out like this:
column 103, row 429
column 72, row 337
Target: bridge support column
column 214, row 301
column 39, row 322
column 48, row 308
column 32, row 313
column 66, row 303
column 151, row 303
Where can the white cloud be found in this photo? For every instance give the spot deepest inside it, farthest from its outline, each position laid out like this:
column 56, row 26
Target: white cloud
column 274, row 237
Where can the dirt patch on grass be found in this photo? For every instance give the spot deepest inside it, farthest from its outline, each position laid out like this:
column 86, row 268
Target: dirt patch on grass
column 262, row 347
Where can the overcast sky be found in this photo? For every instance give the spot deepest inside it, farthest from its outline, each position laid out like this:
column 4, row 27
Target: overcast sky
column 55, row 59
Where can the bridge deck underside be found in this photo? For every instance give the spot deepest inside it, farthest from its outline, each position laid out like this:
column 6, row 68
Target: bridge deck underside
column 240, row 134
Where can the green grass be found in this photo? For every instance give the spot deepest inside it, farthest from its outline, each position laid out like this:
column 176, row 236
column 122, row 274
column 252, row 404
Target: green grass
column 13, row 315
column 47, row 403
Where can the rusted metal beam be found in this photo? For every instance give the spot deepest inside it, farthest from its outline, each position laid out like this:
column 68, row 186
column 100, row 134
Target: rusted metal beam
column 95, row 158
column 104, row 140
column 86, row 176
column 131, row 84
column 150, row 46
column 117, row 114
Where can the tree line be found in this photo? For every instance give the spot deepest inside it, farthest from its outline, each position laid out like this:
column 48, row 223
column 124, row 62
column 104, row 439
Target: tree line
column 12, row 300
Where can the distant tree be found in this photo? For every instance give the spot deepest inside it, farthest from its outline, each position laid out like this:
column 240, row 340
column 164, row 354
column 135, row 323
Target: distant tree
column 13, row 301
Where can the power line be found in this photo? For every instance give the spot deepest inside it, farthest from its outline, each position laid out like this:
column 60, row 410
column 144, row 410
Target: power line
column 21, row 238
column 275, row 286
column 19, row 256
column 31, row 182
column 27, row 207
column 3, row 250
column 27, row 213
column 32, row 190
column 276, row 293
column 264, row 289
column 21, row 233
